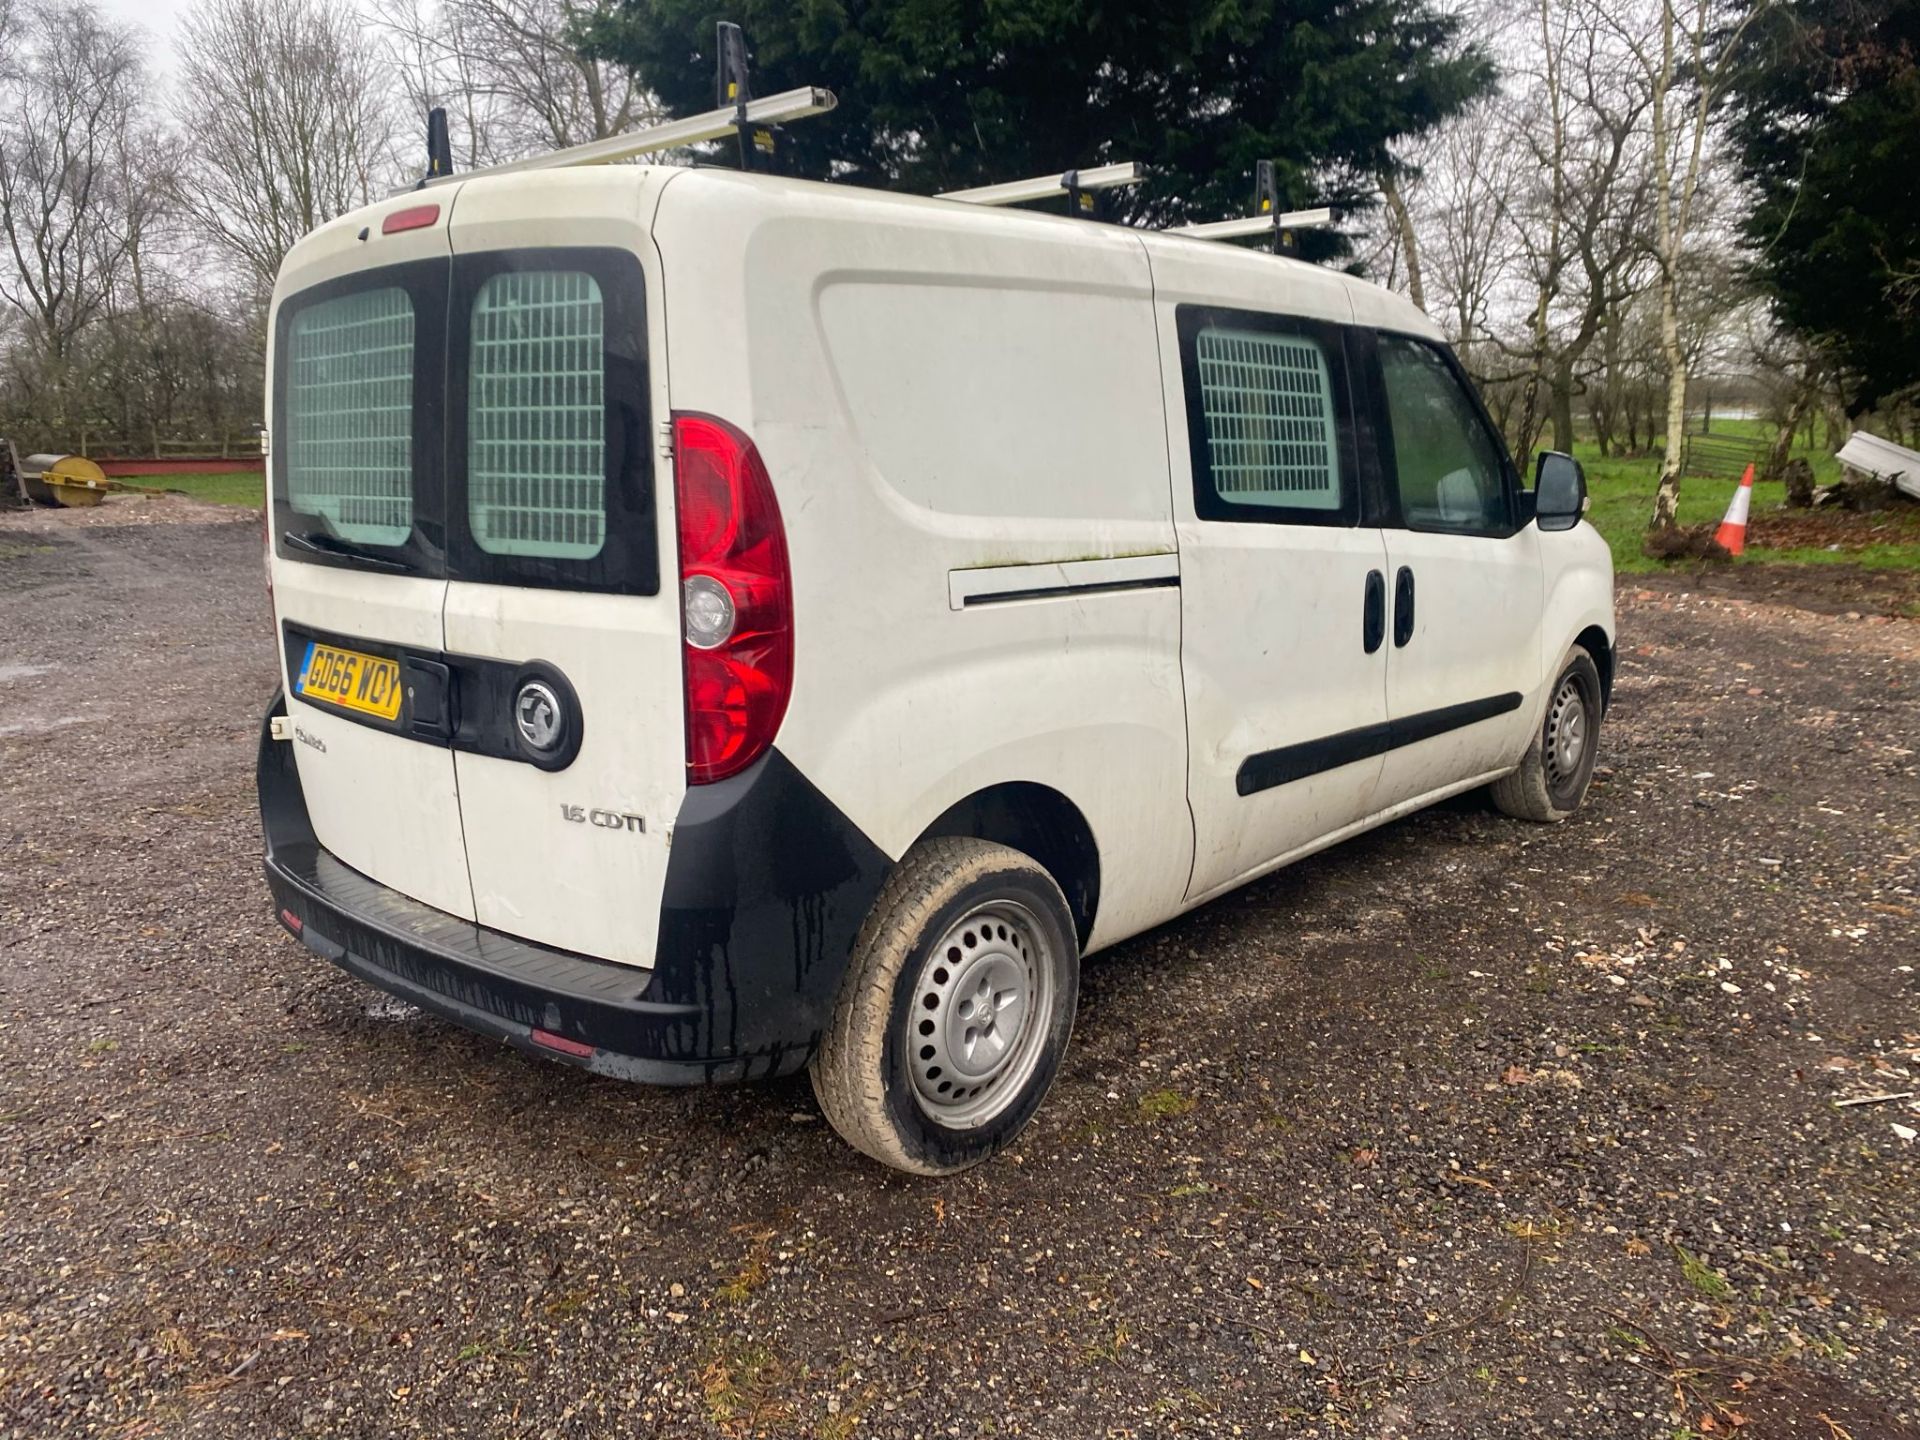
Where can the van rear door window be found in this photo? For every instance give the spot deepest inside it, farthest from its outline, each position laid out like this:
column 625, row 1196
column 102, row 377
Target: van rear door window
column 349, row 401
column 483, row 417
column 549, row 440
column 536, row 440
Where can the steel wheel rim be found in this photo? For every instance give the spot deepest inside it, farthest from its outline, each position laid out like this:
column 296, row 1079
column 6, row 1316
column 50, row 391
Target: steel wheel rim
column 981, row 1009
column 1567, row 734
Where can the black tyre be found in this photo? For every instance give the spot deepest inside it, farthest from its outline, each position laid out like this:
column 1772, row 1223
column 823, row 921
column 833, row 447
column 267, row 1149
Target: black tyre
column 955, row 1010
column 1553, row 776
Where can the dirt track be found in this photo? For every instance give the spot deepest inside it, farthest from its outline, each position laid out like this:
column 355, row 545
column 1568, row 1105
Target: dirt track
column 1466, row 1128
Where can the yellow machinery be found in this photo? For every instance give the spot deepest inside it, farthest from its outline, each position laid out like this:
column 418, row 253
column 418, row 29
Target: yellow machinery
column 64, row 480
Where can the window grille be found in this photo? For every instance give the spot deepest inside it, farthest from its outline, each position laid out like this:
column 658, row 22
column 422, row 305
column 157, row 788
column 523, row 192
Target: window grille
column 350, row 414
column 536, row 443
column 1268, row 401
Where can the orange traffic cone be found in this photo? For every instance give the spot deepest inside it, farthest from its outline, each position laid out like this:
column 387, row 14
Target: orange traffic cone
column 1732, row 534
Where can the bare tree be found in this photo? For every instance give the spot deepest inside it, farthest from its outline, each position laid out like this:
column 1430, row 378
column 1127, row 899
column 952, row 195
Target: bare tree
column 73, row 81
column 1681, row 50
column 1402, row 235
column 132, row 354
column 285, row 104
column 510, row 75
column 1468, row 175
column 1577, row 213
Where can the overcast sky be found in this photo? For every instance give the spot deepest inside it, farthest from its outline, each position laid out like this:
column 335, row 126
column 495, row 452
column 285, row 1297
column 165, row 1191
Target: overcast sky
column 160, row 19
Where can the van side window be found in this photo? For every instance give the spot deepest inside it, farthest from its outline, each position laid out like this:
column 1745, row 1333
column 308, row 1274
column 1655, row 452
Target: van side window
column 349, row 409
column 536, row 444
column 1267, row 418
column 1444, row 462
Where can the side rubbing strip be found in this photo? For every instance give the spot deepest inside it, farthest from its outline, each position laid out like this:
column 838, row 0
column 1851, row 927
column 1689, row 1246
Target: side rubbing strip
column 1296, row 762
column 1060, row 579
column 1057, row 592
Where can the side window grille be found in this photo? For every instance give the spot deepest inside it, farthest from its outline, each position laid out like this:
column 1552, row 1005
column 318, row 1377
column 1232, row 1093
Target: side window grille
column 1268, row 400
column 350, row 415
column 536, row 446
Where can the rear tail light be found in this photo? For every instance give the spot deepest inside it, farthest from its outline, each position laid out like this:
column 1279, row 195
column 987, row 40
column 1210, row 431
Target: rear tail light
column 736, row 598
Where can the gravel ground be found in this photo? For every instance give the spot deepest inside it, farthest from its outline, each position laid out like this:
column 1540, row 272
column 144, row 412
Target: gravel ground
column 1466, row 1128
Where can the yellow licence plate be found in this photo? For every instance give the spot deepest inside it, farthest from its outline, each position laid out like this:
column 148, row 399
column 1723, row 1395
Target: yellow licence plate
column 367, row 683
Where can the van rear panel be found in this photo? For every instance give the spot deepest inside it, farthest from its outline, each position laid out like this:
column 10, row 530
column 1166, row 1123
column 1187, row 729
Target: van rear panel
column 468, row 500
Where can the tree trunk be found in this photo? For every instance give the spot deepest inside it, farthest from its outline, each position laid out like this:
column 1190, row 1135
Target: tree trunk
column 1560, row 402
column 1783, row 441
column 1666, row 500
column 1409, row 245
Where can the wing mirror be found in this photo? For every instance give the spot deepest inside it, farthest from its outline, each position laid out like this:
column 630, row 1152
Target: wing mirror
column 1559, row 491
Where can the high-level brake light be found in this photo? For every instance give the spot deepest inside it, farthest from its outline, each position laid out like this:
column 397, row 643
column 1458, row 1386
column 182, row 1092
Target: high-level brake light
column 414, row 217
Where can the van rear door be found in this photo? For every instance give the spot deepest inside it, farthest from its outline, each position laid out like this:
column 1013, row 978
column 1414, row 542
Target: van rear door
column 357, row 526
column 572, row 768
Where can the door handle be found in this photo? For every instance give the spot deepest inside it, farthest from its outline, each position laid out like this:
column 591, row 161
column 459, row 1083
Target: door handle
column 1402, row 607
column 428, row 687
column 1373, row 615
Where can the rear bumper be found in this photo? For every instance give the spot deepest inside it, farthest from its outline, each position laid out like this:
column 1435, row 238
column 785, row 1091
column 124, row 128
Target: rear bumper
column 766, row 890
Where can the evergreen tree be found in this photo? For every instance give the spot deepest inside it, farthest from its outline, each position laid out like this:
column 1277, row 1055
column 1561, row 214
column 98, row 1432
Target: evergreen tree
column 1825, row 106
column 939, row 94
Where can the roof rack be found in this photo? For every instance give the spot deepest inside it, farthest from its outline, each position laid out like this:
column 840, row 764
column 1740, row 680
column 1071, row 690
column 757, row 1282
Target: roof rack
column 1268, row 218
column 713, row 125
column 1080, row 186
column 1257, row 225
column 756, row 122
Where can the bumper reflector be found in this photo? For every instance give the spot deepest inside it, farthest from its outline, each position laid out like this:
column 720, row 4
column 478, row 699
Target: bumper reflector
column 560, row 1044
column 291, row 921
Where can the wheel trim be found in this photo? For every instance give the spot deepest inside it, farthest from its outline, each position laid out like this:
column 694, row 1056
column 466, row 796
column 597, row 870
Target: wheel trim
column 1567, row 735
column 980, row 1010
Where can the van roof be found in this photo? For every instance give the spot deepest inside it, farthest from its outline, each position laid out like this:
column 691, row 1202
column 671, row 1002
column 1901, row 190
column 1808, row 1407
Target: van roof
column 1372, row 304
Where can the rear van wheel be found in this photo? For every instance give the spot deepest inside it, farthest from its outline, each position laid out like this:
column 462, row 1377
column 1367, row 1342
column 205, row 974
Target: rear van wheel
column 1553, row 777
column 955, row 1009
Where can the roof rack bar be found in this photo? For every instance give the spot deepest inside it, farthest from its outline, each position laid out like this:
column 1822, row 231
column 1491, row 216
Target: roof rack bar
column 714, row 125
column 1257, row 225
column 1041, row 187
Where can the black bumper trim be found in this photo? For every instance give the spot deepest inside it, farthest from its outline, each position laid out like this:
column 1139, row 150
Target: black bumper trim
column 765, row 890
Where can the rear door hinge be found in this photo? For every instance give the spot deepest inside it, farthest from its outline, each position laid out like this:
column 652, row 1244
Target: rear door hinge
column 666, row 439
column 280, row 727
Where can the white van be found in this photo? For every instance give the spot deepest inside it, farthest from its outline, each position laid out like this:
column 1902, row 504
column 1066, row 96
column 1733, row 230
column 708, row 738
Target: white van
column 732, row 624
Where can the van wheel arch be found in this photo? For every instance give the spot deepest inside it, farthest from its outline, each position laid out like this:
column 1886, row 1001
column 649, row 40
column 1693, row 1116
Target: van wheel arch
column 1594, row 641
column 1039, row 821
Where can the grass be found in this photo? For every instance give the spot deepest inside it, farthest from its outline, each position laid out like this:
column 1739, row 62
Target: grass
column 1163, row 1104
column 1702, row 1276
column 238, row 488
column 1622, row 492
